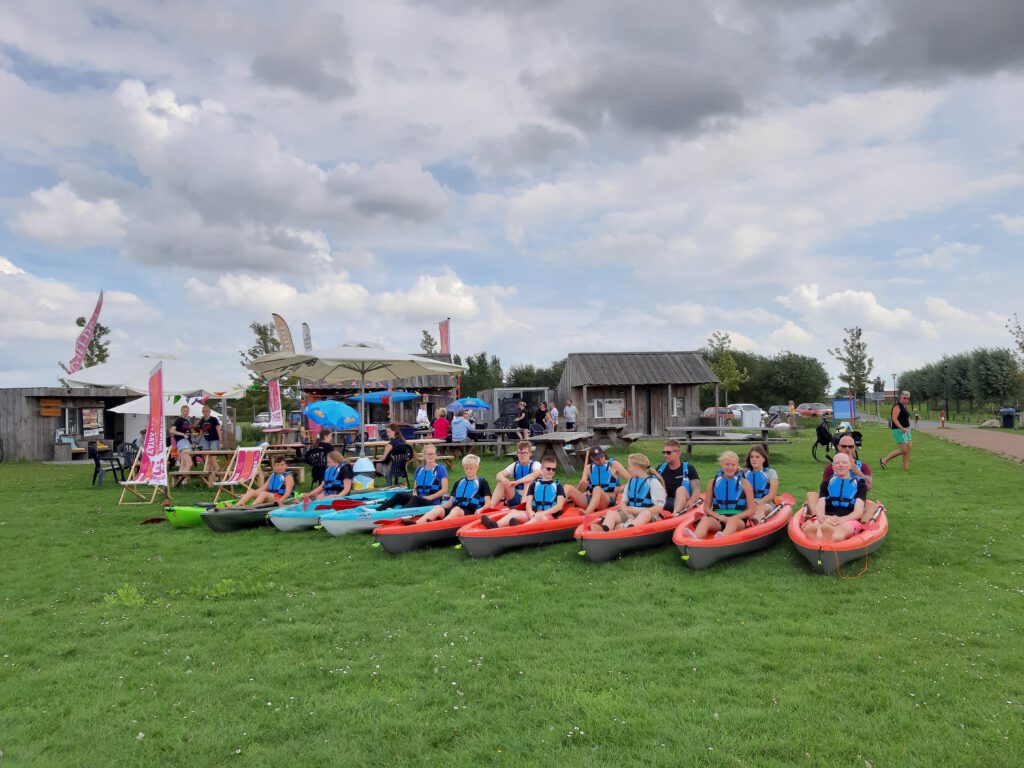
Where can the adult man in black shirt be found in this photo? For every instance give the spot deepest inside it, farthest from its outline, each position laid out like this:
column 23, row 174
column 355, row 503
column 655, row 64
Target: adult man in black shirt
column 682, row 483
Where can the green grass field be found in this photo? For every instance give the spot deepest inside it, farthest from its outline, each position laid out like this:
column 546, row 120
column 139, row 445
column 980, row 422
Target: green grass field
column 127, row 645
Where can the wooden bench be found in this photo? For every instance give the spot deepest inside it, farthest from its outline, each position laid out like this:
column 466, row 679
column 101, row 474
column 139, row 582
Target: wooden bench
column 179, row 477
column 631, row 438
column 732, row 441
column 441, row 459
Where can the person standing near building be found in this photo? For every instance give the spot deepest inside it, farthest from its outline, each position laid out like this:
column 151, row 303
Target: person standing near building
column 899, row 423
column 570, row 416
column 210, row 436
column 552, row 417
column 181, row 435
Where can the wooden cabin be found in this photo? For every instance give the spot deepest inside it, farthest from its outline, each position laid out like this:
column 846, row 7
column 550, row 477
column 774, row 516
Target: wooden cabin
column 646, row 391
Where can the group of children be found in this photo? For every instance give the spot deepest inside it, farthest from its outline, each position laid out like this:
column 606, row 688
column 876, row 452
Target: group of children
column 631, row 495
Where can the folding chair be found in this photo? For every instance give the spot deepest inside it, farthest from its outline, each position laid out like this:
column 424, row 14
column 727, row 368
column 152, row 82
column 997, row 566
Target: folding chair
column 242, row 471
column 139, row 476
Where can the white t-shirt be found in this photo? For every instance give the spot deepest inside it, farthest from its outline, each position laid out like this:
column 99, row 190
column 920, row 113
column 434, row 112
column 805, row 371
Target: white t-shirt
column 657, row 493
column 570, row 413
column 511, row 468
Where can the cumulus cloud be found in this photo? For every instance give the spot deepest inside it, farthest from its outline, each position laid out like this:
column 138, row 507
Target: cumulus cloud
column 1012, row 224
column 944, row 257
column 59, row 217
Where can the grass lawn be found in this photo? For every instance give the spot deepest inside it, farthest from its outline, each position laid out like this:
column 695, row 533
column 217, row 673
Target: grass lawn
column 126, row 645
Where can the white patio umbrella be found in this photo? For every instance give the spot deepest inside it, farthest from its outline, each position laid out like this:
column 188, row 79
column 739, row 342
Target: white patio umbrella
column 140, row 406
column 347, row 362
column 180, row 378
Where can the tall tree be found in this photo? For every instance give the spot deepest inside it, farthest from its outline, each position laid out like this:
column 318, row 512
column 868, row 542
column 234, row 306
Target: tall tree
column 1013, row 326
column 878, row 385
column 481, row 373
column 723, row 364
column 857, row 366
column 98, row 350
column 266, row 342
column 428, row 343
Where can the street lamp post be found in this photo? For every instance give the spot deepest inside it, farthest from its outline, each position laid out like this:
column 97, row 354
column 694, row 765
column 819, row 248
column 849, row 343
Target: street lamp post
column 945, row 386
column 895, row 394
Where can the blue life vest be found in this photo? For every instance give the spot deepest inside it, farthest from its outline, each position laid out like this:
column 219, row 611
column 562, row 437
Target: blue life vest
column 467, row 494
column 427, row 481
column 276, row 484
column 545, row 494
column 519, row 471
column 728, row 494
column 638, row 492
column 332, row 483
column 842, row 494
column 603, row 476
column 686, row 475
column 759, row 482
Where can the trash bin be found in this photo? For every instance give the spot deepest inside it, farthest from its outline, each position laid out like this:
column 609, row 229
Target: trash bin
column 750, row 418
column 1008, row 415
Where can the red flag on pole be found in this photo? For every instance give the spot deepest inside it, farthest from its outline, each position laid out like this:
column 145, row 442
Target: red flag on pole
column 82, row 342
column 443, row 326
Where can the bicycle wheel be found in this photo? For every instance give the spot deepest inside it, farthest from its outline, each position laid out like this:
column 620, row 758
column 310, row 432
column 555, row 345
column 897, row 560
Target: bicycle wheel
column 821, row 452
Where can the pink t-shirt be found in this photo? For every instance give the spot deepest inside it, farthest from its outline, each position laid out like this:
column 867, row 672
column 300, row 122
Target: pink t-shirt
column 442, row 428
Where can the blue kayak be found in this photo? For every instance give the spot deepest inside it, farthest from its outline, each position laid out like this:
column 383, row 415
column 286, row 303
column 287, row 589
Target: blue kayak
column 365, row 518
column 296, row 518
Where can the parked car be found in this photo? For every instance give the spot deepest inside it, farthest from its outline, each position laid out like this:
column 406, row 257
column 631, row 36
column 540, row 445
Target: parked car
column 262, row 420
column 721, row 412
column 738, row 409
column 813, row 409
column 782, row 411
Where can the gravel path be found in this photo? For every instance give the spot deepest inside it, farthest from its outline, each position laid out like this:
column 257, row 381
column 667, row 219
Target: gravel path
column 1002, row 441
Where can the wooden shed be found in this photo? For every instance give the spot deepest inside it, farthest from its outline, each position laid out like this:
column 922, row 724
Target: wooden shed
column 646, row 391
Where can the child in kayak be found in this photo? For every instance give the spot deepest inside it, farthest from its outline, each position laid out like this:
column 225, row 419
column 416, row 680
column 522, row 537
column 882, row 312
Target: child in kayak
column 642, row 501
column 598, row 487
column 764, row 482
column 728, row 501
column 837, row 515
column 544, row 500
column 469, row 494
column 516, row 477
column 430, row 484
column 278, row 488
column 337, row 478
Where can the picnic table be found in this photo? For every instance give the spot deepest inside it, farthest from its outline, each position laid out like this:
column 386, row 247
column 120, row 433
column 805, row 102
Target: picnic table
column 724, row 436
column 554, row 444
column 609, row 433
column 376, row 447
column 207, row 475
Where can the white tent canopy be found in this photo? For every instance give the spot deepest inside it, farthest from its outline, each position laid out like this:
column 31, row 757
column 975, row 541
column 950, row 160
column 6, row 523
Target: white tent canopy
column 180, row 378
column 171, row 408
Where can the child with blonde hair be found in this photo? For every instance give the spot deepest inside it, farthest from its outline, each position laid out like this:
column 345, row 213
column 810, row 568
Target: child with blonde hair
column 642, row 500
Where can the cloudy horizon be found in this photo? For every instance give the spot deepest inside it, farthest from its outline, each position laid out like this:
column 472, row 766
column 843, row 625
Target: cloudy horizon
column 556, row 177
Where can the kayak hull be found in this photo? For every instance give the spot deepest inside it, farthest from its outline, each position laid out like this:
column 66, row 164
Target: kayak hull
column 228, row 520
column 296, row 517
column 699, row 554
column 828, row 557
column 604, row 546
column 185, row 517
column 480, row 541
column 398, row 538
column 364, row 518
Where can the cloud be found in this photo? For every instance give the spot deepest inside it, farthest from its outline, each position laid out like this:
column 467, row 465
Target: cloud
column 925, row 40
column 945, row 257
column 1012, row 224
column 334, row 293
column 59, row 217
column 529, row 147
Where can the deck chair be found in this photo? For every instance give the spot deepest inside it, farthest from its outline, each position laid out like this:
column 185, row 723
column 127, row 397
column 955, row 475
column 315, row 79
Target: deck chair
column 137, row 483
column 242, row 472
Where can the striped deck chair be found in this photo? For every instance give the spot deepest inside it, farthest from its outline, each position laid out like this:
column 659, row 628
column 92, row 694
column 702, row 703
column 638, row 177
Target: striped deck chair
column 138, row 480
column 242, row 472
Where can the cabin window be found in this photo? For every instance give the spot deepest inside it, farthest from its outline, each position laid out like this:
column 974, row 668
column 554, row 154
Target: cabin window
column 678, row 406
column 613, row 408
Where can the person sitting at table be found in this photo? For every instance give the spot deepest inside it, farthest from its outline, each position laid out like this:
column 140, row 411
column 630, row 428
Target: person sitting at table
column 598, row 487
column 469, row 495
column 523, row 421
column 516, row 477
column 278, row 488
column 430, row 484
column 545, row 499
column 460, row 428
column 442, row 427
column 337, row 478
column 395, row 438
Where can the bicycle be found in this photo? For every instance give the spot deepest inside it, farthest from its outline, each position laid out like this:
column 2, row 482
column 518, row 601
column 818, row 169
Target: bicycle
column 825, row 440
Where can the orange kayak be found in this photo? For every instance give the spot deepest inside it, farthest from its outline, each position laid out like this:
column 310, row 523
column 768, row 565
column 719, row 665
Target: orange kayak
column 699, row 554
column 480, row 541
column 829, row 557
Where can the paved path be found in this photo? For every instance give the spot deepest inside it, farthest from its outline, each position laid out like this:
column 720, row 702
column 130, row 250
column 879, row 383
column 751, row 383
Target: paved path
column 1005, row 442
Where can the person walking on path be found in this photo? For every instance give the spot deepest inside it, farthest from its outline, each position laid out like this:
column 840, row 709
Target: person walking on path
column 899, row 423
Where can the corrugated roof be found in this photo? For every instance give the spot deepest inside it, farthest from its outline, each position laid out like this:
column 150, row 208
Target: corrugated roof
column 625, row 368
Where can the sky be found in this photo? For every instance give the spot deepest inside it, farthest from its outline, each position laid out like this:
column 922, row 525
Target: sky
column 556, row 176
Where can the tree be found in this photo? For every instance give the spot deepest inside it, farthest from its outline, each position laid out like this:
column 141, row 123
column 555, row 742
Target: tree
column 98, row 350
column 528, row 375
column 1013, row 326
column 878, row 385
column 853, row 354
column 428, row 343
column 723, row 364
column 481, row 373
column 266, row 342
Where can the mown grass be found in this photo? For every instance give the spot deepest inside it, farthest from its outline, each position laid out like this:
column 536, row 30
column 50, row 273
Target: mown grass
column 125, row 645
